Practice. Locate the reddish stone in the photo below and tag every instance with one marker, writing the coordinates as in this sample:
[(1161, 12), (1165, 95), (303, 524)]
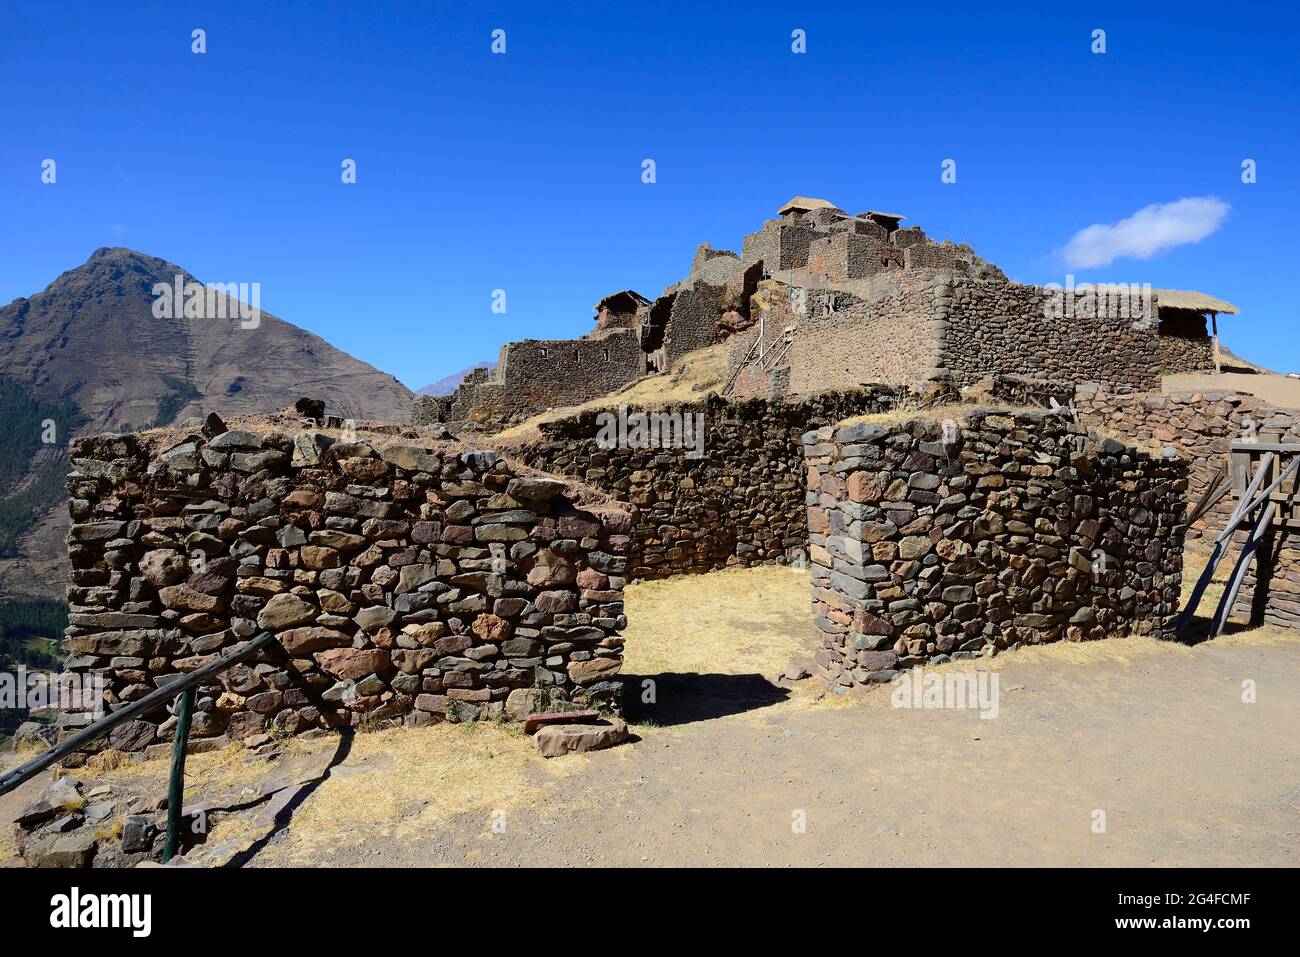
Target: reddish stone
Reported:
[(352, 663), (592, 579), (491, 628), (535, 721)]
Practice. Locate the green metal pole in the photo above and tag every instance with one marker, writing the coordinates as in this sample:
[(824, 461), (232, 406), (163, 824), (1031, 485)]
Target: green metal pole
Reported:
[(176, 783)]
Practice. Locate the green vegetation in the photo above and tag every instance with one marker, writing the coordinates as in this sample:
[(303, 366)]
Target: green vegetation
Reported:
[(27, 627), (28, 424), (29, 633), (21, 511), (181, 393)]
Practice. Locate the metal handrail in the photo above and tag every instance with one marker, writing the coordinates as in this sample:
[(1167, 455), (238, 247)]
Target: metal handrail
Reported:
[(184, 688)]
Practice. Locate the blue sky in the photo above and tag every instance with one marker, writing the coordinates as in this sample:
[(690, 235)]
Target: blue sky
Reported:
[(523, 171)]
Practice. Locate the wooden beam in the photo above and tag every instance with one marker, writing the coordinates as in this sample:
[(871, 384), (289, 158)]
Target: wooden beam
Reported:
[(1202, 583), (1254, 502)]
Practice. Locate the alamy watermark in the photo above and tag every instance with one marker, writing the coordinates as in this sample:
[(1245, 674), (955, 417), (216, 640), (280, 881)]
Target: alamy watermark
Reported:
[(652, 430), (218, 300), (967, 690), (1117, 300), (71, 691)]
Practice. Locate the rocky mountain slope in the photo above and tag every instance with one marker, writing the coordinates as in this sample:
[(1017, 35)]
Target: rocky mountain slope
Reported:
[(90, 348)]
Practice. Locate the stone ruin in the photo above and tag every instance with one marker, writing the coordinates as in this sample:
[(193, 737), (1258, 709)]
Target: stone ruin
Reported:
[(410, 583), (820, 299), (937, 539), (442, 581)]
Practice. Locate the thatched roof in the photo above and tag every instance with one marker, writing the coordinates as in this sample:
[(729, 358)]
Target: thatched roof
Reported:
[(1190, 299), (626, 300), (802, 204)]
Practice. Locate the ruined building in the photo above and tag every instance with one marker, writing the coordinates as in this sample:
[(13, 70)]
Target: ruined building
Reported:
[(820, 299)]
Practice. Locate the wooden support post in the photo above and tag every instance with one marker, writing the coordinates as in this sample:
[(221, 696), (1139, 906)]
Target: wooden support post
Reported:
[(1214, 323), (1238, 513), (176, 781)]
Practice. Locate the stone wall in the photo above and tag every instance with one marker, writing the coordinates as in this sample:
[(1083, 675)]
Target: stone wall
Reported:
[(1277, 564), (539, 374), (1200, 425), (693, 320), (741, 503), (403, 583), (884, 332), (1013, 527), (1185, 343), (991, 327)]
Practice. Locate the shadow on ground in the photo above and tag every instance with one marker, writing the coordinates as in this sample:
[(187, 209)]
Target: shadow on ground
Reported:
[(284, 814), (685, 698)]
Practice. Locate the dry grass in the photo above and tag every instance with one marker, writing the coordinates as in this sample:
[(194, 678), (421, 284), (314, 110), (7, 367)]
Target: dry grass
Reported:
[(110, 759), (740, 621), (204, 773), (737, 621), (695, 375), (912, 409), (413, 780), (1195, 558)]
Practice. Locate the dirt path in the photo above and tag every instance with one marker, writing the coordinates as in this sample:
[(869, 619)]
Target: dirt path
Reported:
[(730, 760), (1155, 736)]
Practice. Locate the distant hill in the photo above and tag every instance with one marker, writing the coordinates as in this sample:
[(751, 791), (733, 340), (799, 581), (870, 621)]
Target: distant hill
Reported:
[(447, 385), (88, 355)]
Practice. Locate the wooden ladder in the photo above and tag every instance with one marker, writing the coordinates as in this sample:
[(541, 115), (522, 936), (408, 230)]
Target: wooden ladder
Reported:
[(1260, 508)]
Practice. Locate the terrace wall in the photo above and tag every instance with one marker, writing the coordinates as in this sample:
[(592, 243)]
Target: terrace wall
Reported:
[(992, 327)]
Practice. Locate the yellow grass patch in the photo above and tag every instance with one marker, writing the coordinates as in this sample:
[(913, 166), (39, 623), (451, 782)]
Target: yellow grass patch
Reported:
[(419, 778), (737, 621), (209, 771), (911, 409)]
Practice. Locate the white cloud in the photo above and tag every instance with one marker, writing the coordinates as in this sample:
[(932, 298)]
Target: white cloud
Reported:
[(1148, 232)]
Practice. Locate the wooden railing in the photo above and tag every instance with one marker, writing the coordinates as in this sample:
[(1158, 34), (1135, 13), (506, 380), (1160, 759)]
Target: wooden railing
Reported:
[(184, 688)]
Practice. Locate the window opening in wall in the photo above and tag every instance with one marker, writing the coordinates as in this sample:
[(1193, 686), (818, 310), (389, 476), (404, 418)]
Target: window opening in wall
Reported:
[(606, 355), (542, 353), (575, 355)]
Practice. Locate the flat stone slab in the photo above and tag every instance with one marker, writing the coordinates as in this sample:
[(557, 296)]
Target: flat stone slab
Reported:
[(535, 721), (554, 740)]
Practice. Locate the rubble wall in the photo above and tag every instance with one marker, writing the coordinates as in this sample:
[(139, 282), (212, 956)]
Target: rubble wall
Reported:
[(991, 327), (403, 583), (1200, 425), (539, 374), (739, 503), (931, 541)]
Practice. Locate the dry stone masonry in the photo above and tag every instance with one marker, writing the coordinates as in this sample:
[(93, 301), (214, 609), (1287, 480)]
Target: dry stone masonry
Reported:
[(741, 503), (932, 540), (403, 582), (820, 299)]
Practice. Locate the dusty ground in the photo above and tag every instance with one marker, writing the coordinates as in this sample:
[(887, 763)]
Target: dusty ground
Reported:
[(1154, 735), (1269, 386)]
